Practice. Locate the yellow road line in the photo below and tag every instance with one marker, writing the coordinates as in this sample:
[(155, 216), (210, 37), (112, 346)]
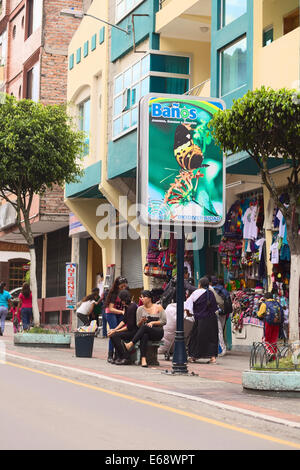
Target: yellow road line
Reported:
[(162, 407)]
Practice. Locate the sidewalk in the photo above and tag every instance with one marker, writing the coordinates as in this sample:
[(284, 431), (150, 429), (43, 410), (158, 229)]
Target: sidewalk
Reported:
[(220, 383)]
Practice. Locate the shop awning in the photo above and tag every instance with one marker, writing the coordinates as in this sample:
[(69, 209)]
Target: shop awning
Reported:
[(242, 164), (88, 186)]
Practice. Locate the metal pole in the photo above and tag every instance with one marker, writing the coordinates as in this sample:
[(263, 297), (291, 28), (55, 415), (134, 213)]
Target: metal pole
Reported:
[(179, 363), (106, 22)]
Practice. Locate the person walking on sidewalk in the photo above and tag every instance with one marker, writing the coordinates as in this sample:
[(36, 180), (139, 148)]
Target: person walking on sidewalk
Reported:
[(272, 313), (16, 315), (114, 310), (125, 330), (203, 341), (5, 303), (150, 320), (25, 305)]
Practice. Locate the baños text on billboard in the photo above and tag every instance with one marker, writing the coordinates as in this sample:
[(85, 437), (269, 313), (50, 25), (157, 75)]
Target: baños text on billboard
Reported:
[(181, 170)]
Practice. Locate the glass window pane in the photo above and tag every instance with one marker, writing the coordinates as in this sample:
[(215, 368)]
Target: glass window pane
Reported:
[(169, 64), (233, 9), (117, 127), (118, 105), (121, 9), (127, 78), (176, 86), (234, 67), (135, 95), (145, 65), (136, 72), (134, 116), (118, 84), (145, 86), (126, 121)]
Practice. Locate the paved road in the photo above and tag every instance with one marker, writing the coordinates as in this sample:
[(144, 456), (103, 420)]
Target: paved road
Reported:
[(44, 411)]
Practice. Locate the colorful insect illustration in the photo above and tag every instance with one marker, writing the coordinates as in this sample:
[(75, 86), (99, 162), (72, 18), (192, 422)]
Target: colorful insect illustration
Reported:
[(188, 155)]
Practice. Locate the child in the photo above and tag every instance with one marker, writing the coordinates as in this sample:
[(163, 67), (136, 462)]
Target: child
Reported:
[(16, 315)]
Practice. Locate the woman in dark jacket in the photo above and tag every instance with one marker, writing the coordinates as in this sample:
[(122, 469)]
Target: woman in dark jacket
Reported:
[(204, 336), (125, 330)]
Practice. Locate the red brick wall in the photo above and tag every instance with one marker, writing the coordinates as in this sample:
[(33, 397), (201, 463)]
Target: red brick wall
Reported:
[(57, 34), (52, 202)]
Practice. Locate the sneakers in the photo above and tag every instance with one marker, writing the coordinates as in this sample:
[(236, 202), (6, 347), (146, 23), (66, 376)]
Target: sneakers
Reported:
[(123, 362)]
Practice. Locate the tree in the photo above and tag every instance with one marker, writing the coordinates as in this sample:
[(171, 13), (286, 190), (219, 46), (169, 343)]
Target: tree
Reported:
[(39, 148), (266, 123)]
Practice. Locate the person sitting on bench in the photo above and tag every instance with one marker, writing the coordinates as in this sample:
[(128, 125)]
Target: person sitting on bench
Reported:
[(125, 330), (150, 320)]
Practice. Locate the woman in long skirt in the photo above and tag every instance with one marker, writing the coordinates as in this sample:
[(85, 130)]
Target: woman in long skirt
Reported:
[(203, 341)]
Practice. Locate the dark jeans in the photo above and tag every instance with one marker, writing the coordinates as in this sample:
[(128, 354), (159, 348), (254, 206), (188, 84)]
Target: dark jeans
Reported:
[(84, 318), (26, 314), (146, 333), (113, 320), (104, 323), (117, 342)]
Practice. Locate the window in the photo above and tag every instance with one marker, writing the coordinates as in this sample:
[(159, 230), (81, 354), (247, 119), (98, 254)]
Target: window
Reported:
[(233, 67), (34, 15), (33, 83), (84, 123), (123, 7), (153, 73), (16, 273), (231, 10), (268, 36), (291, 21)]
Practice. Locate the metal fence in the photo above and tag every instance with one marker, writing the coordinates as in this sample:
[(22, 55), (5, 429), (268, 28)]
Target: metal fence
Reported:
[(280, 356)]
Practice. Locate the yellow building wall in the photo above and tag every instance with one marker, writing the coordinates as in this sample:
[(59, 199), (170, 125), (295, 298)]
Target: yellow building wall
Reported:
[(89, 78), (273, 13), (200, 55), (172, 9), (278, 64)]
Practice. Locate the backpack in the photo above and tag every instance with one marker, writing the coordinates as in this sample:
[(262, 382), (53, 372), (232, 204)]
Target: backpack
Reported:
[(227, 309), (274, 313)]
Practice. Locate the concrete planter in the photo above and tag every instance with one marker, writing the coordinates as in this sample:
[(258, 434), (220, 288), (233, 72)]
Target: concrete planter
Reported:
[(42, 340), (278, 381)]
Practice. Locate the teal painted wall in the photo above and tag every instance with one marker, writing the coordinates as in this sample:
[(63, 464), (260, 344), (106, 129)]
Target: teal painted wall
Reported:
[(122, 155), (121, 43), (222, 37), (90, 179)]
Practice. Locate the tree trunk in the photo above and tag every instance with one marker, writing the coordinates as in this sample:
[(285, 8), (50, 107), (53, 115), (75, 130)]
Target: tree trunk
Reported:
[(33, 287), (294, 298), (294, 244)]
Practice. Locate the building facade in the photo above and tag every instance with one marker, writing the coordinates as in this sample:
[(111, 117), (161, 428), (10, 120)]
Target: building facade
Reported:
[(34, 41), (218, 48)]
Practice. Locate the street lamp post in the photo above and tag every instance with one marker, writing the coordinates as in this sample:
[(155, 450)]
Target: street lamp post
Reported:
[(80, 14)]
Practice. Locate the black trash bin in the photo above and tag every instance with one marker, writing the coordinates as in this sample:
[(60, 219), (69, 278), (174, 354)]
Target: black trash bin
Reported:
[(84, 343)]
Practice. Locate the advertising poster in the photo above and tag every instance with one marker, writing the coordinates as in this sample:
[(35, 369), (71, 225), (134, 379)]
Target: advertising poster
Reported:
[(71, 279), (181, 171)]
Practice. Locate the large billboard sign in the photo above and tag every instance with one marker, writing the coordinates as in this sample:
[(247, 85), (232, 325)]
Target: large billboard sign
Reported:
[(181, 170)]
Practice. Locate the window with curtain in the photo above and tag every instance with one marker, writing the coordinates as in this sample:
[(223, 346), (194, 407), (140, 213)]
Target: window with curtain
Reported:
[(84, 123), (231, 10), (233, 67), (153, 73)]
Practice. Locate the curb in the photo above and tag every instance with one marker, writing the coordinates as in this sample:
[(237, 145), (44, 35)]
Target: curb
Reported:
[(283, 381)]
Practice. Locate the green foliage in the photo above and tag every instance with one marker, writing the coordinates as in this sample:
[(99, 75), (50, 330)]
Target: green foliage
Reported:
[(38, 147), (264, 123), (38, 331)]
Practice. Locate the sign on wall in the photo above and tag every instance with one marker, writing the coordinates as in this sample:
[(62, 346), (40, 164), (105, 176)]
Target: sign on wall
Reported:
[(181, 170), (71, 285)]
